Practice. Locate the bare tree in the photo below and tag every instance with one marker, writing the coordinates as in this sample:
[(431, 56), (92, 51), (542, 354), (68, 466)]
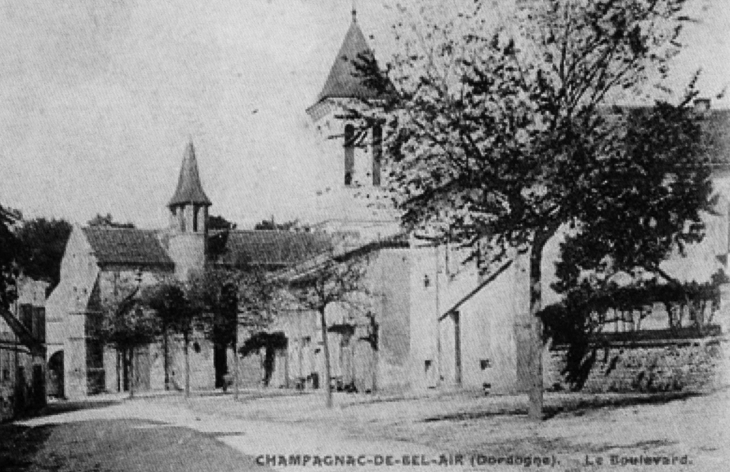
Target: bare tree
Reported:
[(337, 279), (126, 324)]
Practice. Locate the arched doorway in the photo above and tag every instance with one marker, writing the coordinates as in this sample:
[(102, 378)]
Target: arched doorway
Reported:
[(54, 385)]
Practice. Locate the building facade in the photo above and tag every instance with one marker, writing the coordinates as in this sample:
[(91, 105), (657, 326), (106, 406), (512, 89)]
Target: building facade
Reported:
[(22, 351)]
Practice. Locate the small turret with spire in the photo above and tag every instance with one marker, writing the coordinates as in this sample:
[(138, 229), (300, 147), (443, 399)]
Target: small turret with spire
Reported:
[(188, 218), (189, 205)]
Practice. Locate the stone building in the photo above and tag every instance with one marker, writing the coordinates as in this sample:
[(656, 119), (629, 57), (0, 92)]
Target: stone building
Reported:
[(439, 322), (104, 261), (22, 351), (430, 320)]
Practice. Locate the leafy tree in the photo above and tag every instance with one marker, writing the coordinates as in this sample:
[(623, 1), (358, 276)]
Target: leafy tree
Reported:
[(337, 280), (126, 324), (501, 134), (108, 221), (272, 225), (216, 222), (43, 243), (231, 299), (9, 247), (270, 343), (178, 314)]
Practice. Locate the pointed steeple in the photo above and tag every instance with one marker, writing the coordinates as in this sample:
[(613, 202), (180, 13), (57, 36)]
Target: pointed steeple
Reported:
[(344, 80), (189, 189)]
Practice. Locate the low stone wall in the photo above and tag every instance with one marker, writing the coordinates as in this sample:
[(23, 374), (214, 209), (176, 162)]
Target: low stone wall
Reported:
[(655, 366)]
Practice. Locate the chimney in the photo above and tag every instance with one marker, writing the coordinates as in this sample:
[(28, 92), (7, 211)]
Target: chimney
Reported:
[(702, 105)]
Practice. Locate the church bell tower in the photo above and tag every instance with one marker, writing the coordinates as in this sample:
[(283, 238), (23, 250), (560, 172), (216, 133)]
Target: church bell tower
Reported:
[(188, 219), (350, 200)]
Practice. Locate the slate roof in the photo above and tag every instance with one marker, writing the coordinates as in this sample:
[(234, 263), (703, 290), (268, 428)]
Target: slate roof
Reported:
[(127, 246), (269, 248), (189, 189), (344, 80)]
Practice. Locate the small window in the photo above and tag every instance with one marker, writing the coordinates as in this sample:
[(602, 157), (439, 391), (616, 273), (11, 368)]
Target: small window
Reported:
[(349, 154), (196, 347), (377, 153)]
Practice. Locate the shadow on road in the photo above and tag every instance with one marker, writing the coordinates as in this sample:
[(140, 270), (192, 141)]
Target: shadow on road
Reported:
[(569, 407), (59, 407), (19, 444)]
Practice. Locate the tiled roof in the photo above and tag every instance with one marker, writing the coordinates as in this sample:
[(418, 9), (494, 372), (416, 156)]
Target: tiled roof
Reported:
[(272, 248), (189, 189), (344, 80), (127, 246)]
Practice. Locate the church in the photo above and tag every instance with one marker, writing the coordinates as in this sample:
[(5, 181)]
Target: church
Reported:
[(431, 320)]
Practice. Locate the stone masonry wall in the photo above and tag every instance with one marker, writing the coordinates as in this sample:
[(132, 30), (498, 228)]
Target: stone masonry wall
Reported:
[(672, 365)]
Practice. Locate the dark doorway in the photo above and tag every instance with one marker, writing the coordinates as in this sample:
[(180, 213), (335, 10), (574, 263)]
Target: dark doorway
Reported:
[(54, 386), (220, 362), (39, 387), (457, 347)]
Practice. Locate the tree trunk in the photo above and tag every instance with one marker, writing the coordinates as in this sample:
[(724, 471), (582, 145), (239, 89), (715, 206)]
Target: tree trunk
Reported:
[(326, 353), (131, 372), (186, 343), (166, 360), (535, 389), (235, 364)]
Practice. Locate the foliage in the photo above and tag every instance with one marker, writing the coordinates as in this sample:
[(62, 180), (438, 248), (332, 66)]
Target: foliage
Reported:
[(219, 223), (230, 299), (588, 307), (125, 323), (263, 340), (272, 225), (108, 221), (270, 343), (505, 135), (43, 243), (170, 302), (9, 248)]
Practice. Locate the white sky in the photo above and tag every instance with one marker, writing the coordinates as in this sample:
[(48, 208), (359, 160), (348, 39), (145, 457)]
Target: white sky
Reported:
[(100, 97)]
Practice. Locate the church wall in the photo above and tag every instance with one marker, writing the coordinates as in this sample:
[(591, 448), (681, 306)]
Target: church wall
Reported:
[(187, 250), (424, 310), (487, 337), (391, 270)]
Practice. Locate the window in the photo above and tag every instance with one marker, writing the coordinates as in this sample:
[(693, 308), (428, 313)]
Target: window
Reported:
[(195, 218), (349, 154), (377, 153), (181, 216)]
